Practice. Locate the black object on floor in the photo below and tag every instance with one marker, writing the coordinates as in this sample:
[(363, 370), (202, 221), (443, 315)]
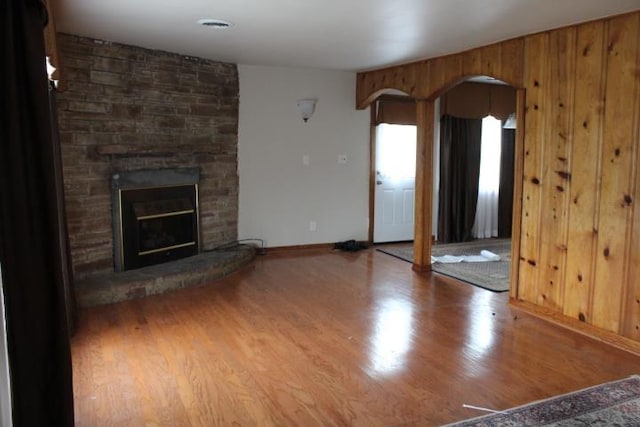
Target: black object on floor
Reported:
[(350, 246)]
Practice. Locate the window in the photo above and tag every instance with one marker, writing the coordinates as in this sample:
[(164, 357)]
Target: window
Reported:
[(486, 222)]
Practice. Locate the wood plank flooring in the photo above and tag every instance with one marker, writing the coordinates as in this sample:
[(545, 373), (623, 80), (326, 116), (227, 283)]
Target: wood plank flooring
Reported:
[(324, 338)]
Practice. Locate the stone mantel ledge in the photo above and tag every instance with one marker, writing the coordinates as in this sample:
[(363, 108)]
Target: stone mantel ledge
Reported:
[(127, 150)]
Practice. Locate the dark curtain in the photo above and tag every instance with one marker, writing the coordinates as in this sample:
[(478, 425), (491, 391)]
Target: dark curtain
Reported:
[(30, 247), (63, 240), (459, 175), (505, 196)]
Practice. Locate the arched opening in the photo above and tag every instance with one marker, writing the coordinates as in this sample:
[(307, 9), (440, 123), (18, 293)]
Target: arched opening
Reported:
[(473, 182), (486, 99)]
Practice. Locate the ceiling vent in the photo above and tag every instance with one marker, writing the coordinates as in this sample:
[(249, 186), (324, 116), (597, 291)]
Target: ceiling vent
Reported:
[(214, 23)]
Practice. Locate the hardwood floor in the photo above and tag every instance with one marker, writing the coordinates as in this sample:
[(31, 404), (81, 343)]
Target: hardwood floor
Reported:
[(324, 338)]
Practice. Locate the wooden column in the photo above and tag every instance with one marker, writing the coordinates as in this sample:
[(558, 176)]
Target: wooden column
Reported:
[(424, 186)]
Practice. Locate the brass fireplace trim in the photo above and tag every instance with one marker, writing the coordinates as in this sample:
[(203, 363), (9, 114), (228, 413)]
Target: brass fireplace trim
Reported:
[(166, 248), (165, 215), (133, 188)]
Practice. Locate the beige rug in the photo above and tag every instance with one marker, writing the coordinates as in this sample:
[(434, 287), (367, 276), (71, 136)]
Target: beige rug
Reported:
[(492, 275)]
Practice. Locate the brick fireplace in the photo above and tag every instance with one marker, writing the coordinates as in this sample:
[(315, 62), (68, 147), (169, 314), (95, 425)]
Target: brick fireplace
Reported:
[(129, 109)]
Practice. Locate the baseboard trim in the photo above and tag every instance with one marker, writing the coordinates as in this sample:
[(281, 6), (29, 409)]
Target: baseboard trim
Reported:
[(575, 325), (279, 249)]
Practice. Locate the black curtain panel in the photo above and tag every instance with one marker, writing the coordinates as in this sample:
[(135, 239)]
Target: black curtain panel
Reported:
[(460, 143), (63, 239), (30, 247), (505, 195)]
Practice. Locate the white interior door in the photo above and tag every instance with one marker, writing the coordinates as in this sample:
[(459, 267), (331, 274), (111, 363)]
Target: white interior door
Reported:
[(395, 183)]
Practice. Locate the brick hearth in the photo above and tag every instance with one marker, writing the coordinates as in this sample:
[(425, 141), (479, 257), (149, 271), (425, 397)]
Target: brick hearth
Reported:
[(110, 287)]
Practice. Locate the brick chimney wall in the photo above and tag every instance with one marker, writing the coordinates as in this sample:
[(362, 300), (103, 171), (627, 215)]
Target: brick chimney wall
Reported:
[(128, 108)]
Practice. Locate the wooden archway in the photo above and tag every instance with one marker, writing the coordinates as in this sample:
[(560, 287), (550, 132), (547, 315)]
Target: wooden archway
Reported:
[(425, 81)]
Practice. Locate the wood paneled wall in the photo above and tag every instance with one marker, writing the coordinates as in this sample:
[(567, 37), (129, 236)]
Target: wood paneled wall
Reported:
[(430, 78), (579, 253)]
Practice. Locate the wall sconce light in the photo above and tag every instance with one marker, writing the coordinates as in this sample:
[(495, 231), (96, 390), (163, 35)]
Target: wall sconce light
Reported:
[(510, 123), (306, 107)]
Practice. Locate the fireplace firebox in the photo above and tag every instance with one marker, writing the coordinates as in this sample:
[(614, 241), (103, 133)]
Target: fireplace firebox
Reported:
[(155, 216)]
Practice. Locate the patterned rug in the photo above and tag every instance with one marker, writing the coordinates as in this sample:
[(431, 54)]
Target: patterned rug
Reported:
[(493, 275), (612, 404)]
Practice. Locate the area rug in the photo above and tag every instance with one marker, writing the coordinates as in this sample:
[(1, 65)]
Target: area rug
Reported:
[(493, 275), (612, 404)]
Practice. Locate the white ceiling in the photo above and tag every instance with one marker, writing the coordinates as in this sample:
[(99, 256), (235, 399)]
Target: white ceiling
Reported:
[(354, 35)]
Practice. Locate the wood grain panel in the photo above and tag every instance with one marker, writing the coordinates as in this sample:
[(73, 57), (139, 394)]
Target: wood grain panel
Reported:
[(536, 50), (445, 73), (556, 175), (512, 62), (492, 60), (617, 160), (631, 325), (585, 170), (472, 62), (422, 74), (374, 83)]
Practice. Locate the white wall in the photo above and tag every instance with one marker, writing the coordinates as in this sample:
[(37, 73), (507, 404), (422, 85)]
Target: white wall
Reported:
[(279, 195)]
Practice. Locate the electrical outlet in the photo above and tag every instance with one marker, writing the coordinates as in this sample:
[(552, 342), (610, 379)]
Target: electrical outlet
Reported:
[(313, 226), (306, 160)]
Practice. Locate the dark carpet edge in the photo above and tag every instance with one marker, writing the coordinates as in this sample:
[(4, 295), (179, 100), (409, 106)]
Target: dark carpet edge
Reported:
[(444, 274), (394, 255)]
